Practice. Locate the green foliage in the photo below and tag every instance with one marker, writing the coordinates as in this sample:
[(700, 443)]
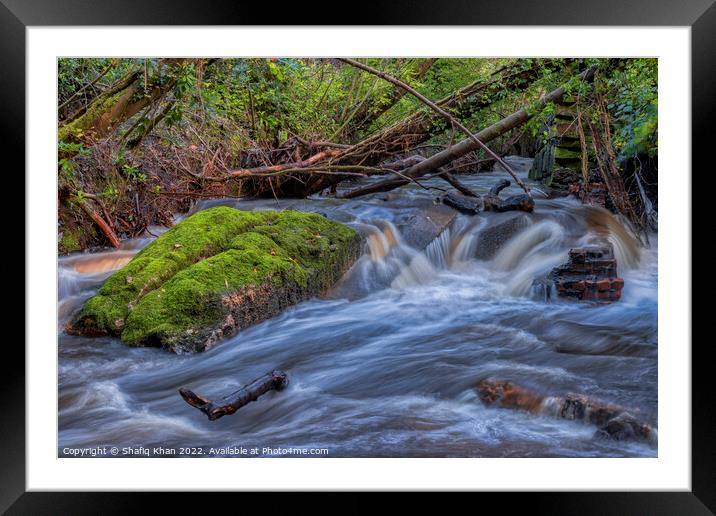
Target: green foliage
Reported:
[(69, 241), (247, 103), (633, 93), (67, 167), (185, 79), (67, 151), (132, 172), (72, 148), (110, 192), (74, 73), (120, 158)]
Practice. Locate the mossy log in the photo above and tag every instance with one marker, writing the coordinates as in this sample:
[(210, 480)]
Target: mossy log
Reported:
[(130, 95), (216, 272)]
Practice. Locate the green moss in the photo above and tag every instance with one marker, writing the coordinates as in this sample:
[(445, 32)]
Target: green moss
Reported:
[(561, 153), (219, 265), (191, 300), (70, 242), (74, 130), (311, 239), (202, 235)]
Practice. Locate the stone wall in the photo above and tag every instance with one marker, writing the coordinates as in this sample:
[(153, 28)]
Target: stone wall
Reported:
[(559, 161)]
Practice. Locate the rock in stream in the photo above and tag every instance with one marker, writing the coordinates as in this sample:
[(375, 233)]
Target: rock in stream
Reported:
[(217, 272)]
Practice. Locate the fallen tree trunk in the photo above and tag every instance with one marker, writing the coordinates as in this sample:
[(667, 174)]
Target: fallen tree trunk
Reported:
[(275, 380), (613, 421), (465, 146), (463, 203), (285, 166), (121, 102), (453, 122), (150, 125), (421, 126), (90, 84)]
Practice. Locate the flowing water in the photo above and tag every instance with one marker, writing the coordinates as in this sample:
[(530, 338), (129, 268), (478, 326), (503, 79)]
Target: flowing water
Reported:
[(385, 365)]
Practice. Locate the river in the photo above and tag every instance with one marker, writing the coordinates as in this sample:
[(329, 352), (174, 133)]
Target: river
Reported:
[(386, 364)]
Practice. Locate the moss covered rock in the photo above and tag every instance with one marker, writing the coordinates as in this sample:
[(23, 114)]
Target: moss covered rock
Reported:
[(216, 272)]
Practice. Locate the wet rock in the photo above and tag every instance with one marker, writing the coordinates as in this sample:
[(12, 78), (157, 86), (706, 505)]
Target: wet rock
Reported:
[(500, 230), (543, 163), (508, 395), (613, 421), (626, 427), (216, 272), (562, 177), (589, 275), (559, 160), (420, 228)]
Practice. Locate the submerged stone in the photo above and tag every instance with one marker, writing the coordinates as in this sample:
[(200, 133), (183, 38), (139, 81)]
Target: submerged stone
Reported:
[(217, 272), (612, 421)]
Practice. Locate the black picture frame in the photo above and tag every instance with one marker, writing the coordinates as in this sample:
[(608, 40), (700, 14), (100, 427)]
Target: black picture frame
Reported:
[(16, 15)]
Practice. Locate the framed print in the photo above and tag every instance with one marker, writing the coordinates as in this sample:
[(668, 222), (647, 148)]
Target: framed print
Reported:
[(424, 252)]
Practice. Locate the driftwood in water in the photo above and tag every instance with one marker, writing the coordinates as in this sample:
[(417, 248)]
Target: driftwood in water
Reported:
[(445, 174), (493, 202), (275, 380), (463, 203), (613, 421), (472, 205)]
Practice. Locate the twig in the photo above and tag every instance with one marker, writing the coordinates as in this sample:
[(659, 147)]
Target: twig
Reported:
[(277, 168)]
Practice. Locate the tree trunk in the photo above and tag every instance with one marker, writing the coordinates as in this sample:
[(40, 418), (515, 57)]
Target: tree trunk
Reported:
[(419, 127), (151, 124), (118, 104), (465, 146), (453, 122), (463, 103)]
